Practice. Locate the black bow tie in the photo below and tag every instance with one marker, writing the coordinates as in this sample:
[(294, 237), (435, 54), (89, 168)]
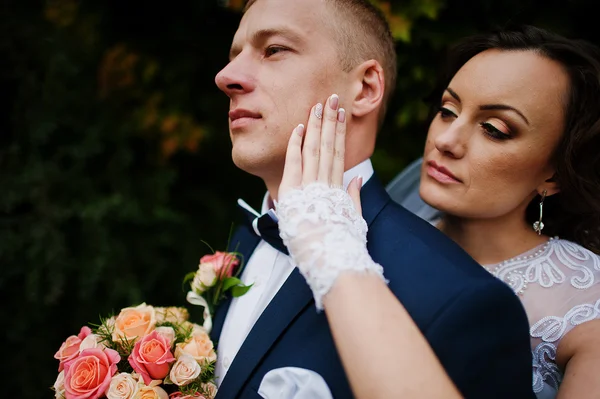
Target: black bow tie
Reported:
[(264, 226)]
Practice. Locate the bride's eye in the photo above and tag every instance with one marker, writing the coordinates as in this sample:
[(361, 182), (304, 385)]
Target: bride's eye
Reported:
[(493, 132), (446, 113)]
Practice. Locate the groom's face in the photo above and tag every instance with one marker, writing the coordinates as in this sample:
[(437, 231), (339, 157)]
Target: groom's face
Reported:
[(283, 60)]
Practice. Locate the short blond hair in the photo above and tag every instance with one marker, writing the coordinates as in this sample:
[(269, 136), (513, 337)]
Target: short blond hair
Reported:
[(363, 33)]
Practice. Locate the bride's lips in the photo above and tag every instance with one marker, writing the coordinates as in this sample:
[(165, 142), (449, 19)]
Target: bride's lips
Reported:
[(441, 174), (240, 117)]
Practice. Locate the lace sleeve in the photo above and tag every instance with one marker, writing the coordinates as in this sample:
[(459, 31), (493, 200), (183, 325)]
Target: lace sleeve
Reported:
[(325, 236)]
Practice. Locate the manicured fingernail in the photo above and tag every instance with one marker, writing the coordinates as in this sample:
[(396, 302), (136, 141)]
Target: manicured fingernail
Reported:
[(341, 115), (359, 182), (334, 101), (300, 130), (319, 110)]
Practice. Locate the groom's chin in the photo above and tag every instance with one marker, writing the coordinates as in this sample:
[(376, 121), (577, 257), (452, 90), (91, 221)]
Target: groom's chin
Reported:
[(261, 163)]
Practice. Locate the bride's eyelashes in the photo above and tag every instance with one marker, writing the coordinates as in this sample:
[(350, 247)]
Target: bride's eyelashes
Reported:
[(493, 132), (445, 112), (488, 128)]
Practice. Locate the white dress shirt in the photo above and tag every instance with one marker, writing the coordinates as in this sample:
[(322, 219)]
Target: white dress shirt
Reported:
[(267, 269)]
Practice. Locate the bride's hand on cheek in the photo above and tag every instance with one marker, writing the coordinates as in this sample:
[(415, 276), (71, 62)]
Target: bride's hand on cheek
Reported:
[(315, 152)]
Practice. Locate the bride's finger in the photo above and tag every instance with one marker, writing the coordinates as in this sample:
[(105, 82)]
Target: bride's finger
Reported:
[(312, 145), (337, 169), (328, 138), (292, 169)]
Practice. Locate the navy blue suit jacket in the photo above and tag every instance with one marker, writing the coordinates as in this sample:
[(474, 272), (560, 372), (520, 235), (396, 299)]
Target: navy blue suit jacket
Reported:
[(474, 322)]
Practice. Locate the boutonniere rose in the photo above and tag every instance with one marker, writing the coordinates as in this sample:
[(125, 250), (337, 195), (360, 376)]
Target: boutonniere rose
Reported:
[(216, 276)]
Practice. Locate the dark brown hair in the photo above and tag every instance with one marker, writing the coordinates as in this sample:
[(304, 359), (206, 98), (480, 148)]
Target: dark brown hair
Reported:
[(573, 213)]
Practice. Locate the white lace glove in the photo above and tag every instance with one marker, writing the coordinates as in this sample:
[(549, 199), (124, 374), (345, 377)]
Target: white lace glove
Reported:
[(325, 235), (320, 223)]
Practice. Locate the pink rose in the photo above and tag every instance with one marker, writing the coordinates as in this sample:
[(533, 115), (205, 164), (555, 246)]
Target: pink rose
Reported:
[(223, 263), (70, 348), (151, 357), (88, 375)]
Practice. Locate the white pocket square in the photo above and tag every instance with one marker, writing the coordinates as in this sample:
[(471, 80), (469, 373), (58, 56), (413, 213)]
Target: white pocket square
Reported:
[(293, 383)]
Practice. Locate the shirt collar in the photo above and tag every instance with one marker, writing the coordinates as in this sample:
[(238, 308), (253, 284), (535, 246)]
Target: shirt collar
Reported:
[(364, 169)]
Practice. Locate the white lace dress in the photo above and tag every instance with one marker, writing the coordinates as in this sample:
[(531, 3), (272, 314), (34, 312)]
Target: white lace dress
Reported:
[(558, 282), (559, 285)]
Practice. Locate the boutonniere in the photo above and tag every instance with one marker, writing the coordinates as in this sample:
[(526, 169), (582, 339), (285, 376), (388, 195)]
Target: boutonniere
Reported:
[(217, 275)]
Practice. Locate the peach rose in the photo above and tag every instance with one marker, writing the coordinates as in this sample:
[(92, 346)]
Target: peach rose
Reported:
[(223, 263), (199, 346), (70, 348), (185, 370), (151, 357), (59, 386), (172, 314), (152, 391), (167, 332), (88, 375), (210, 390), (134, 322), (123, 386), (195, 328)]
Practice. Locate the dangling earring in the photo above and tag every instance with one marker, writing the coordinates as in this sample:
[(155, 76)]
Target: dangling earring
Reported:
[(539, 225)]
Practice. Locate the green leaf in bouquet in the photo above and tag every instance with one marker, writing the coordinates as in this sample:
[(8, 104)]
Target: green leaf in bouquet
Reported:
[(187, 278), (240, 290), (230, 282)]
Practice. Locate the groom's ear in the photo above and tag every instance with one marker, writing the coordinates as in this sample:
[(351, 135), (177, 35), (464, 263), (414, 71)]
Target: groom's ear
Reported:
[(368, 88)]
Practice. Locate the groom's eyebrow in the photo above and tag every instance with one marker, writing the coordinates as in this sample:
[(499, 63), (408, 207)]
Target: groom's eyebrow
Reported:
[(263, 35)]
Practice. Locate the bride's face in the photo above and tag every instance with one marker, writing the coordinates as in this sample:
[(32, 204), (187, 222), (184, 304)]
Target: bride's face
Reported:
[(489, 148)]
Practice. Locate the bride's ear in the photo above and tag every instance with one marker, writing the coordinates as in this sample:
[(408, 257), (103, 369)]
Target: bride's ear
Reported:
[(368, 88), (550, 186)]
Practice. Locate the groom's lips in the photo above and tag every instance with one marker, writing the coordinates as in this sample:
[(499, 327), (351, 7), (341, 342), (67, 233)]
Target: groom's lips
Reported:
[(240, 117)]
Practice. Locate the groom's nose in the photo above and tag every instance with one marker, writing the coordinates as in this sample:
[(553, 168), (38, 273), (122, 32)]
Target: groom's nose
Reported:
[(236, 78)]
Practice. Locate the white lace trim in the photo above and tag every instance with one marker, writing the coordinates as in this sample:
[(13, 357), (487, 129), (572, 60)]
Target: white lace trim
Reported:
[(545, 266), (569, 270), (552, 328), (325, 236)]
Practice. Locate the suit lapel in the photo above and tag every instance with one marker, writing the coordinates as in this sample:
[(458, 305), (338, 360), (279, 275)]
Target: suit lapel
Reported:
[(244, 241), (293, 297)]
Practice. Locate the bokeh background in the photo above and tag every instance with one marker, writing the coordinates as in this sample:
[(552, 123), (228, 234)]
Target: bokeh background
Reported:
[(115, 156)]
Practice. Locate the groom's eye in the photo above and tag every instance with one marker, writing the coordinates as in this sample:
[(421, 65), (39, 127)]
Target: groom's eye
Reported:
[(272, 50)]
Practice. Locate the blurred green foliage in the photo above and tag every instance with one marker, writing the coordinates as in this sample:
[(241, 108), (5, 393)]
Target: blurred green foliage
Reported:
[(115, 155)]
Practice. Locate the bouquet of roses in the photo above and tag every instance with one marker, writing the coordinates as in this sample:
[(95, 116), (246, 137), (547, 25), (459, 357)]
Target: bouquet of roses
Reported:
[(144, 352)]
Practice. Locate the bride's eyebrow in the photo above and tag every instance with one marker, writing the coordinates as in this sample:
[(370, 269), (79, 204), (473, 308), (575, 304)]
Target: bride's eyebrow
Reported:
[(504, 107), (453, 93), (486, 107)]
